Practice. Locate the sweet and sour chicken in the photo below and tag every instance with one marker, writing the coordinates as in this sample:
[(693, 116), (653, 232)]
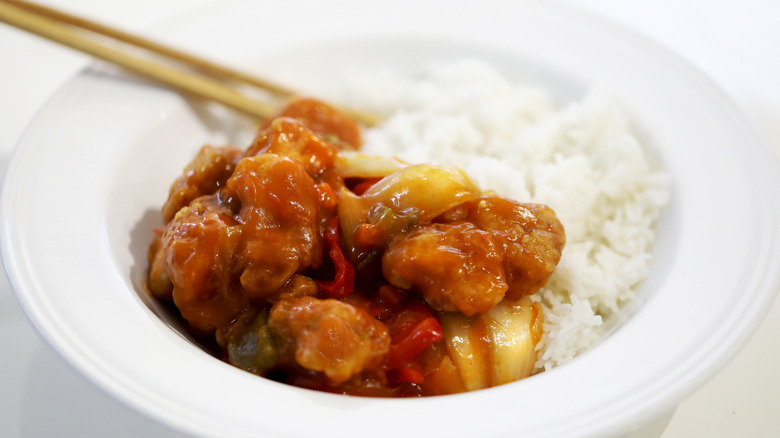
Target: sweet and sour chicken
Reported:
[(312, 264)]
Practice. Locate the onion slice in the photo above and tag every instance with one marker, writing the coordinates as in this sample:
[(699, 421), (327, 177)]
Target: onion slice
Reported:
[(349, 164), (423, 191), (495, 348)]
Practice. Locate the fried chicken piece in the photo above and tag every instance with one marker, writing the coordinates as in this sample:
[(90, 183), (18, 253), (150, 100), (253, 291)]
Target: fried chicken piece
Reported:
[(324, 119), (281, 227), (204, 175), (531, 235), (329, 336), (198, 247), (454, 266)]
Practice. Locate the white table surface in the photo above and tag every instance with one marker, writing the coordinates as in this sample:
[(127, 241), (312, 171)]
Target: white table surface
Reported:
[(735, 42)]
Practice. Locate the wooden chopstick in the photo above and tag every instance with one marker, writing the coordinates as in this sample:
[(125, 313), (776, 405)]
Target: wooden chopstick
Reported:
[(58, 26), (200, 64)]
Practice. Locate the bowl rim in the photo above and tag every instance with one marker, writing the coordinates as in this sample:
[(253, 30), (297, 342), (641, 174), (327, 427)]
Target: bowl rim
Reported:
[(654, 393)]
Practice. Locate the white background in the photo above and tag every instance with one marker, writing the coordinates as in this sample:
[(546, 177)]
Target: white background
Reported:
[(735, 42)]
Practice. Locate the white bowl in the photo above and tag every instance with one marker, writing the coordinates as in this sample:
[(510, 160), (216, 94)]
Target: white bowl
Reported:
[(84, 188)]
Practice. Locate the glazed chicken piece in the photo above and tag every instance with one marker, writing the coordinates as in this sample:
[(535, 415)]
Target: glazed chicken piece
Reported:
[(323, 119), (454, 266), (485, 250), (291, 138), (329, 336), (204, 175), (531, 235), (281, 227), (198, 247), (258, 232)]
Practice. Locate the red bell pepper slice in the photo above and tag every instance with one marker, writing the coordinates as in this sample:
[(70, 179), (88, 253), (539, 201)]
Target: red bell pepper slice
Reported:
[(344, 281), (409, 373), (412, 330), (364, 185)]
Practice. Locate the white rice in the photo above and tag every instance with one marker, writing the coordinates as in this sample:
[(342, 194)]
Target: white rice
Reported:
[(582, 160)]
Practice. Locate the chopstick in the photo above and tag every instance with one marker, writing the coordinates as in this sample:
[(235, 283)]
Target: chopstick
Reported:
[(200, 64), (59, 26)]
